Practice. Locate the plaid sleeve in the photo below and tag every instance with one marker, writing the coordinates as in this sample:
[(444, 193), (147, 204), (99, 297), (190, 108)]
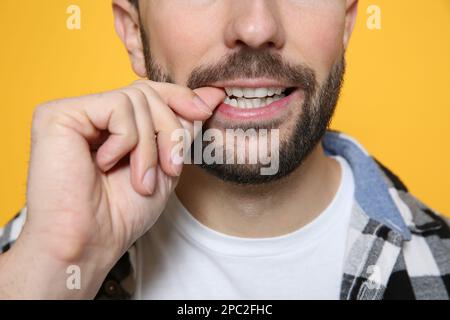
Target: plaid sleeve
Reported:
[(10, 232)]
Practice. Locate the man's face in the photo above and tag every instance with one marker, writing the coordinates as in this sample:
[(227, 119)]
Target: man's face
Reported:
[(281, 63)]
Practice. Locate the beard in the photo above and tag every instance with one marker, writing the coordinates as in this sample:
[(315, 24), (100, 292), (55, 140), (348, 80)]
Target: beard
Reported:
[(311, 123)]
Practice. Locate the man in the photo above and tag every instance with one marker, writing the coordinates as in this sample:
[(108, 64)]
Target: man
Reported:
[(109, 197)]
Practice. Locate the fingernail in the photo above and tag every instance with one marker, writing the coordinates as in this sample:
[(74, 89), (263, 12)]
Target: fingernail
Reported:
[(149, 180), (202, 106)]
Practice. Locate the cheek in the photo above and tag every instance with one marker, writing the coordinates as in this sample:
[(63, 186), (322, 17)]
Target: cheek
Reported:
[(178, 43), (320, 39)]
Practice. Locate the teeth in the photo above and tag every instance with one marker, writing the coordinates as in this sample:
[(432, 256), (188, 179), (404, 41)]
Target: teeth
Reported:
[(237, 92), (253, 92), (261, 92), (243, 103), (250, 98), (249, 93), (256, 103)]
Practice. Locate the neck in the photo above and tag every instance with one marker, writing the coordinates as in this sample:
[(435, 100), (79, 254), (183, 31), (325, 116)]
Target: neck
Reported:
[(261, 211)]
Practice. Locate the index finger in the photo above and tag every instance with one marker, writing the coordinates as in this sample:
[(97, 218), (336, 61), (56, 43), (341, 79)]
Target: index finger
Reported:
[(190, 104)]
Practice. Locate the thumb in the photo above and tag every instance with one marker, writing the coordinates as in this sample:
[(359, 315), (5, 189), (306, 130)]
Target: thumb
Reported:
[(213, 97)]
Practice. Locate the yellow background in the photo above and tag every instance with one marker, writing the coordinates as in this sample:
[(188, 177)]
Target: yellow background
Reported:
[(395, 101)]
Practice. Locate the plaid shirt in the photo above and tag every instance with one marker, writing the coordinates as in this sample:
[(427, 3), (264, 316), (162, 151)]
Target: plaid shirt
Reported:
[(397, 248)]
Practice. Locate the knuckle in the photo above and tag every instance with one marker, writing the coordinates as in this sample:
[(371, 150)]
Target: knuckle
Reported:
[(43, 111), (145, 89), (130, 133), (40, 113), (47, 114), (142, 81), (139, 95), (122, 99), (124, 103), (149, 84), (133, 137)]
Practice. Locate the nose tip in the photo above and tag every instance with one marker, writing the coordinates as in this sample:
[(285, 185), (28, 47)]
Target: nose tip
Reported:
[(257, 35), (256, 25)]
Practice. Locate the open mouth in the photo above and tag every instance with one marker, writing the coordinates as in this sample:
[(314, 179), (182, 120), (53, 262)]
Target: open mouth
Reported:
[(254, 98)]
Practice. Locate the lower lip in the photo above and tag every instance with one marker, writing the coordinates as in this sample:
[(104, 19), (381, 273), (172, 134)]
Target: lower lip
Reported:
[(257, 114)]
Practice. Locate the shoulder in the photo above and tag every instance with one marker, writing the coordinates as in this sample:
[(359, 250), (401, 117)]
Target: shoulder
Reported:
[(421, 219), (422, 270)]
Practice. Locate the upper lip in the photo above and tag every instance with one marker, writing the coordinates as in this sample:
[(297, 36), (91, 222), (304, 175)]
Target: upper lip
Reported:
[(252, 83)]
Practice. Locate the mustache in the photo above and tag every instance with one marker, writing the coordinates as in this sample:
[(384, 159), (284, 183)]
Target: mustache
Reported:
[(250, 63)]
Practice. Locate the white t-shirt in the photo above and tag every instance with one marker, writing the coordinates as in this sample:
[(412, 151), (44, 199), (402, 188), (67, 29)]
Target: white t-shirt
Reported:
[(180, 258)]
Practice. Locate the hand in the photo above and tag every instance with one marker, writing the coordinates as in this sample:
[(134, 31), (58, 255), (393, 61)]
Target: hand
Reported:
[(101, 172)]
